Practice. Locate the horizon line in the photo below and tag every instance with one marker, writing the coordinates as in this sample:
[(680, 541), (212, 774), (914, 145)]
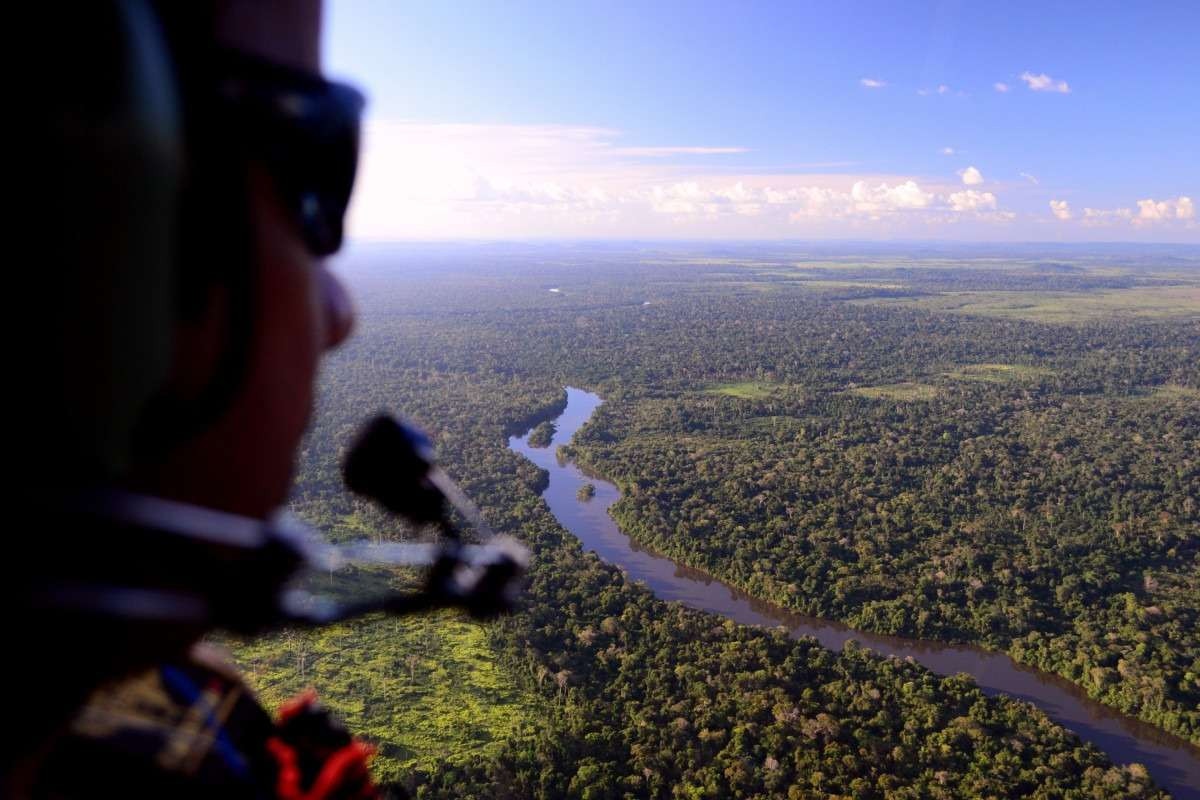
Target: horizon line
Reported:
[(351, 241)]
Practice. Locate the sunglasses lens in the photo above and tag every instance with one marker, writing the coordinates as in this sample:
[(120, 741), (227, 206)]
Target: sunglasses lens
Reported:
[(306, 129), (319, 168)]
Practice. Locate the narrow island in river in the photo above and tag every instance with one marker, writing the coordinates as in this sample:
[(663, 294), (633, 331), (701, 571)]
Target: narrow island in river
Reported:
[(542, 434)]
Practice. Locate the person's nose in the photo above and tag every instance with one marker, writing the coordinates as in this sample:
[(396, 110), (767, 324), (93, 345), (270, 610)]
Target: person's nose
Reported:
[(339, 309)]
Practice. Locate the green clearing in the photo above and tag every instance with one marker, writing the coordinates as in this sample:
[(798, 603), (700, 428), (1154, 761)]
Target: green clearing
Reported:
[(904, 392), (998, 373), (828, 284), (747, 390), (1168, 302), (424, 690)]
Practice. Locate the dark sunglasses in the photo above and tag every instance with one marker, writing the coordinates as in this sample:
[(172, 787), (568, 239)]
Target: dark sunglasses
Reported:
[(306, 131)]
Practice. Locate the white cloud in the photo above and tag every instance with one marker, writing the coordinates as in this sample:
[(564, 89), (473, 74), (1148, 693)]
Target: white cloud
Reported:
[(1178, 212), (864, 200), (971, 176), (659, 152), (1100, 217), (972, 200), (1031, 178), (872, 83), (885, 198), (809, 201), (690, 198), (423, 180), (1151, 210), (948, 151), (1000, 86), (882, 200), (1180, 208), (1044, 83), (943, 89), (1061, 209)]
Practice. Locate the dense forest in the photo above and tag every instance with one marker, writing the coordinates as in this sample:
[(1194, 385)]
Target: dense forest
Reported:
[(816, 430)]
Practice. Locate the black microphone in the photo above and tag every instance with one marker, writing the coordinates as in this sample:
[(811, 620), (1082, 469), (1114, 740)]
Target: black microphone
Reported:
[(391, 463), (160, 566)]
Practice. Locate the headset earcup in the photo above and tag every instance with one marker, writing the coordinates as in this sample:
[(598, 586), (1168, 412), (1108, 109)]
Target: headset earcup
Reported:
[(110, 130), (214, 247)]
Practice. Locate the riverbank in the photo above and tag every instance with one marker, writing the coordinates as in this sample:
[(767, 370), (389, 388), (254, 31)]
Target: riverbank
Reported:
[(1173, 762)]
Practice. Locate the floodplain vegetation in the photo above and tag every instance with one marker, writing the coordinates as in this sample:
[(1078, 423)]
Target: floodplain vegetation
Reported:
[(848, 448)]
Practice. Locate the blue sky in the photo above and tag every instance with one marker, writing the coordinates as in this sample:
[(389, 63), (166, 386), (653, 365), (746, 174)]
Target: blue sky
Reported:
[(976, 121)]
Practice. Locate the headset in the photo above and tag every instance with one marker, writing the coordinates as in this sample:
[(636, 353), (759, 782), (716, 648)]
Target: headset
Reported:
[(159, 563)]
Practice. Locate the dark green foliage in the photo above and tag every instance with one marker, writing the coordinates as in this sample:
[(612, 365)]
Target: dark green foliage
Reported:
[(542, 434), (983, 511), (1062, 528)]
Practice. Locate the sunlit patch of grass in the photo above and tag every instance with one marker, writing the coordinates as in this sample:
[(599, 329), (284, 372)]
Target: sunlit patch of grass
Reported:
[(904, 392), (423, 690), (1165, 302), (753, 285), (999, 373), (818, 280), (828, 284), (776, 425), (882, 263), (747, 390)]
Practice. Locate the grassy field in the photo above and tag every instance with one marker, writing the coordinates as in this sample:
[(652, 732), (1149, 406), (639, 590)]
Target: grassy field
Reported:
[(998, 373), (422, 689), (812, 280), (828, 284), (904, 392), (747, 390), (1170, 302)]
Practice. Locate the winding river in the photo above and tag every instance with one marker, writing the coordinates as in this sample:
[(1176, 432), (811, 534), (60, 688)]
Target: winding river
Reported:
[(1173, 762)]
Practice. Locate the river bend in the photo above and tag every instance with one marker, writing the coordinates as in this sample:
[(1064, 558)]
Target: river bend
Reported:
[(1173, 762)]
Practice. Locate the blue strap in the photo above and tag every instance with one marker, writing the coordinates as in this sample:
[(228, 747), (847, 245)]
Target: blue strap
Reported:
[(179, 683)]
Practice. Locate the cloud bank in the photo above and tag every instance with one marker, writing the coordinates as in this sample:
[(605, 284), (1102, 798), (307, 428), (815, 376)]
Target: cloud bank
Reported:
[(435, 181), (1178, 213), (452, 180)]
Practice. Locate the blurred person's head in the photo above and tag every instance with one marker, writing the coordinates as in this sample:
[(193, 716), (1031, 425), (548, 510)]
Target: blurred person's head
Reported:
[(273, 297), (194, 302), (189, 172)]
